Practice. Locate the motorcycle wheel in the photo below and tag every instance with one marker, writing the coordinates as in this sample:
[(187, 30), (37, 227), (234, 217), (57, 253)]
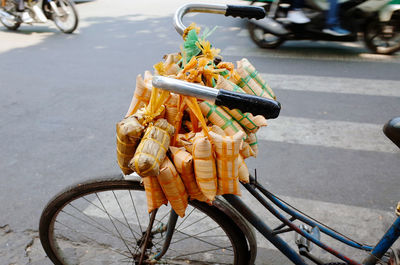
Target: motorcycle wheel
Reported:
[(68, 19), (383, 38), (10, 24), (264, 39)]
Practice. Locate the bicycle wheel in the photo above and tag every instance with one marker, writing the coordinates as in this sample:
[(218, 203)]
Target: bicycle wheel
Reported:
[(103, 221)]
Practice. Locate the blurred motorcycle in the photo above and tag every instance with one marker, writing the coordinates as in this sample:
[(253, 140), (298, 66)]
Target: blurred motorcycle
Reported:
[(62, 12), (377, 21)]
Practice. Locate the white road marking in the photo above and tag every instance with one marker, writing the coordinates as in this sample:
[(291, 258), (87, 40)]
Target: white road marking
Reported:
[(315, 55), (337, 134), (388, 88)]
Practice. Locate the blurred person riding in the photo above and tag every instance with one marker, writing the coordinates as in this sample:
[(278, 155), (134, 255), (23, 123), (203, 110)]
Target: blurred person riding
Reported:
[(376, 21), (24, 15), (332, 22)]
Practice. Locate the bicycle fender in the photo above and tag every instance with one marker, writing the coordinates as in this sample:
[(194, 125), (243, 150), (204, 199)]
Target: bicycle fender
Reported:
[(239, 220), (385, 14)]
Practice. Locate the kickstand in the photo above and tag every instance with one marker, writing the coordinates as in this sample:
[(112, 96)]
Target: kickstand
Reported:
[(146, 238)]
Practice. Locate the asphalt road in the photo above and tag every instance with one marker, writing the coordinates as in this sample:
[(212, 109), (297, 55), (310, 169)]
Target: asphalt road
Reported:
[(61, 96)]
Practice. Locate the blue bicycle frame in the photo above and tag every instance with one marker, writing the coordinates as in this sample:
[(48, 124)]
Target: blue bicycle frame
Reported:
[(375, 253)]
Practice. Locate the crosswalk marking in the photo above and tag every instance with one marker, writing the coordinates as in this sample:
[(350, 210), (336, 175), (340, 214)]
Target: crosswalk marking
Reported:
[(315, 55), (388, 88), (337, 134)]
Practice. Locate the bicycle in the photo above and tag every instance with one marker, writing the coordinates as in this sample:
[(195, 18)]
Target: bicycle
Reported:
[(113, 209)]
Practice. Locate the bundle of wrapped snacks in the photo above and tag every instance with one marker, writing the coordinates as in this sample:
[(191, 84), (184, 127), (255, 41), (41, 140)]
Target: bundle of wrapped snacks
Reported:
[(246, 120), (152, 149), (129, 133), (173, 187), (190, 149), (204, 166), (227, 156), (154, 193), (142, 93), (183, 162), (253, 73)]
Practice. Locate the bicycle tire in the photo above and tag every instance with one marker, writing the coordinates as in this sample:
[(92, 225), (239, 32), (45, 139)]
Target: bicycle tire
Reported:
[(78, 251)]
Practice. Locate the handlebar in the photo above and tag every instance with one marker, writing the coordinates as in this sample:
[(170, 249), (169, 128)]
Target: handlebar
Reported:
[(227, 10), (246, 103)]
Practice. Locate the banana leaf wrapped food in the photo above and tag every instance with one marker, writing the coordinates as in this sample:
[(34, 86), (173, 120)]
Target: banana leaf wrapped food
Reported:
[(246, 120), (227, 157), (142, 93), (154, 193), (183, 162), (254, 74), (129, 133), (173, 187), (152, 149), (204, 167)]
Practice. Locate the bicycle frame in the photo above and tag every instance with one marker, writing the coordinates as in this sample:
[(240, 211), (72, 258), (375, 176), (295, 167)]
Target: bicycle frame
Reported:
[(272, 235), (375, 254)]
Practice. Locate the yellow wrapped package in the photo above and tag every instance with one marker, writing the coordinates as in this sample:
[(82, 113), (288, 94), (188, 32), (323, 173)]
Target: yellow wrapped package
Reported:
[(252, 141), (217, 116), (183, 162), (173, 187), (227, 152), (170, 64), (248, 84), (251, 70), (129, 133), (142, 93), (204, 167), (154, 194), (243, 170), (246, 150), (246, 120), (152, 149), (171, 108)]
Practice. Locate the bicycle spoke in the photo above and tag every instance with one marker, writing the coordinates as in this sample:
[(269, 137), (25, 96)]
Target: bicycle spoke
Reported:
[(137, 216), (115, 218), (197, 238), (92, 240), (203, 251), (126, 245), (186, 217), (123, 213)]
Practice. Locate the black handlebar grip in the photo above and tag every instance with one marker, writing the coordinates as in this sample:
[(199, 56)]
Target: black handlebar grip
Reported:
[(249, 103), (245, 11)]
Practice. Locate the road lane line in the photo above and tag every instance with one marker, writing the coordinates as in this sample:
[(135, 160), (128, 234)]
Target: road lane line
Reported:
[(296, 54), (337, 134), (387, 88)]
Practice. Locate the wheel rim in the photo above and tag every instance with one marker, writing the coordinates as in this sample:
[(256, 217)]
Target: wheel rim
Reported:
[(105, 227), (67, 19), (384, 38), (8, 23)]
